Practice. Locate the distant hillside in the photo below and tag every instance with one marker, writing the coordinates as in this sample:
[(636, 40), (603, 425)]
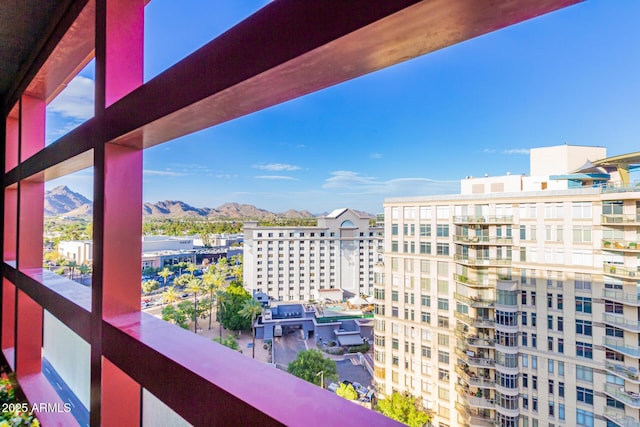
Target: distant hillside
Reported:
[(176, 208), (62, 201)]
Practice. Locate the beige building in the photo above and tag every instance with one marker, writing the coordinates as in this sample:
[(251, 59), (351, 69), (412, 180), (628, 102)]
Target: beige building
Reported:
[(333, 260), (516, 302)]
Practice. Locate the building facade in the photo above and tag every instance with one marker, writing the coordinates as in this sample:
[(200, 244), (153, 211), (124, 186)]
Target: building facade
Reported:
[(302, 263), (516, 302)]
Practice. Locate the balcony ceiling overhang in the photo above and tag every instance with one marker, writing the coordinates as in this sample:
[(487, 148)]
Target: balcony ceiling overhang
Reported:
[(254, 65)]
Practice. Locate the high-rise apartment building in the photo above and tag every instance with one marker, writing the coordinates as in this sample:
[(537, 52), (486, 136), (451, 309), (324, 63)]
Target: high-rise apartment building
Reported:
[(332, 260), (516, 303)]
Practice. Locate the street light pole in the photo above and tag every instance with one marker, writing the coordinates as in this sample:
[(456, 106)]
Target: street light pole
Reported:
[(321, 375)]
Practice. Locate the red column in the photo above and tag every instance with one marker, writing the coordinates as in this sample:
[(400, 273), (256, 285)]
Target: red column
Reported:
[(28, 336), (10, 224), (32, 126), (11, 149), (30, 228), (118, 194), (128, 397), (8, 321)]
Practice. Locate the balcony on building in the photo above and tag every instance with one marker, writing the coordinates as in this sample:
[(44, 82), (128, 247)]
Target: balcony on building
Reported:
[(622, 219), (482, 240), (619, 345), (619, 321), (620, 245), (632, 299), (630, 398), (471, 281), (472, 417), (475, 359), (620, 271), (480, 398), (483, 219), (620, 419), (628, 373), (473, 378), (481, 261)]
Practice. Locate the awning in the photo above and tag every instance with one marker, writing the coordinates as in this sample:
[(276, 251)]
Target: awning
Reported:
[(349, 339)]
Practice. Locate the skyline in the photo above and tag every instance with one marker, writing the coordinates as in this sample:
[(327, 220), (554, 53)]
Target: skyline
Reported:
[(566, 77)]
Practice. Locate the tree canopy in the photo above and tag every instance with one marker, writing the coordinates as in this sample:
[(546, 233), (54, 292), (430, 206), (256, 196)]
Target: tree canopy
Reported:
[(309, 363), (404, 408), (234, 297), (347, 391)]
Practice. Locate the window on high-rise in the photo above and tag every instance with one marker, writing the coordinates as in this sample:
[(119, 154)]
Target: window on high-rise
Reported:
[(584, 418), (584, 349), (584, 327), (581, 210), (583, 305)]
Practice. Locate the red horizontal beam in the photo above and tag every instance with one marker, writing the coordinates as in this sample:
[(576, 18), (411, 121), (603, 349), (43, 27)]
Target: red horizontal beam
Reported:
[(230, 387)]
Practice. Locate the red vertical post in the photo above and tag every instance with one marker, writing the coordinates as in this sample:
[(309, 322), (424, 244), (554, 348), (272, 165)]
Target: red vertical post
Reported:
[(11, 149), (10, 224), (28, 336), (30, 228), (128, 397), (118, 192), (32, 128), (8, 321)]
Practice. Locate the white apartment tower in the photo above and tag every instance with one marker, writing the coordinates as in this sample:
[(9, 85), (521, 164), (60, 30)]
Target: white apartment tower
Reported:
[(516, 303), (332, 260)]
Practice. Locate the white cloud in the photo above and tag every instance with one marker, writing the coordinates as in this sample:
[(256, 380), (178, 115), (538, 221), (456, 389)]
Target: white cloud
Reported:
[(281, 177), (351, 182), (151, 172), (76, 100), (277, 167), (375, 155), (524, 151)]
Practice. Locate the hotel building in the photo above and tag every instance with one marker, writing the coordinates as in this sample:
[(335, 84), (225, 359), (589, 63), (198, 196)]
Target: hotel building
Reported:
[(515, 303), (332, 260)]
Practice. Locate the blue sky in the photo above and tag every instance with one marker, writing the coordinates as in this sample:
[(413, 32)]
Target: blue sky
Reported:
[(412, 129)]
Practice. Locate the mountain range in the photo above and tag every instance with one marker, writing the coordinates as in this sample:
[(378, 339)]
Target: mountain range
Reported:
[(63, 201)]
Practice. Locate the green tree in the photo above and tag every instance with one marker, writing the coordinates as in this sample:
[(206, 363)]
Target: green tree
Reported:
[(212, 282), (191, 268), (59, 271), (150, 286), (182, 280), (309, 363), (165, 273), (170, 295), (72, 266), (195, 285), (83, 269), (177, 314), (347, 391), (250, 309), (228, 341), (235, 296), (404, 408)]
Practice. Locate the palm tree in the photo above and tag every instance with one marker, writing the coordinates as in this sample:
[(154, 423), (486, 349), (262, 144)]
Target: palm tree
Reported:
[(72, 265), (250, 309), (222, 265), (165, 273), (212, 282), (195, 285), (221, 298), (83, 269), (236, 271), (191, 268), (170, 296)]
